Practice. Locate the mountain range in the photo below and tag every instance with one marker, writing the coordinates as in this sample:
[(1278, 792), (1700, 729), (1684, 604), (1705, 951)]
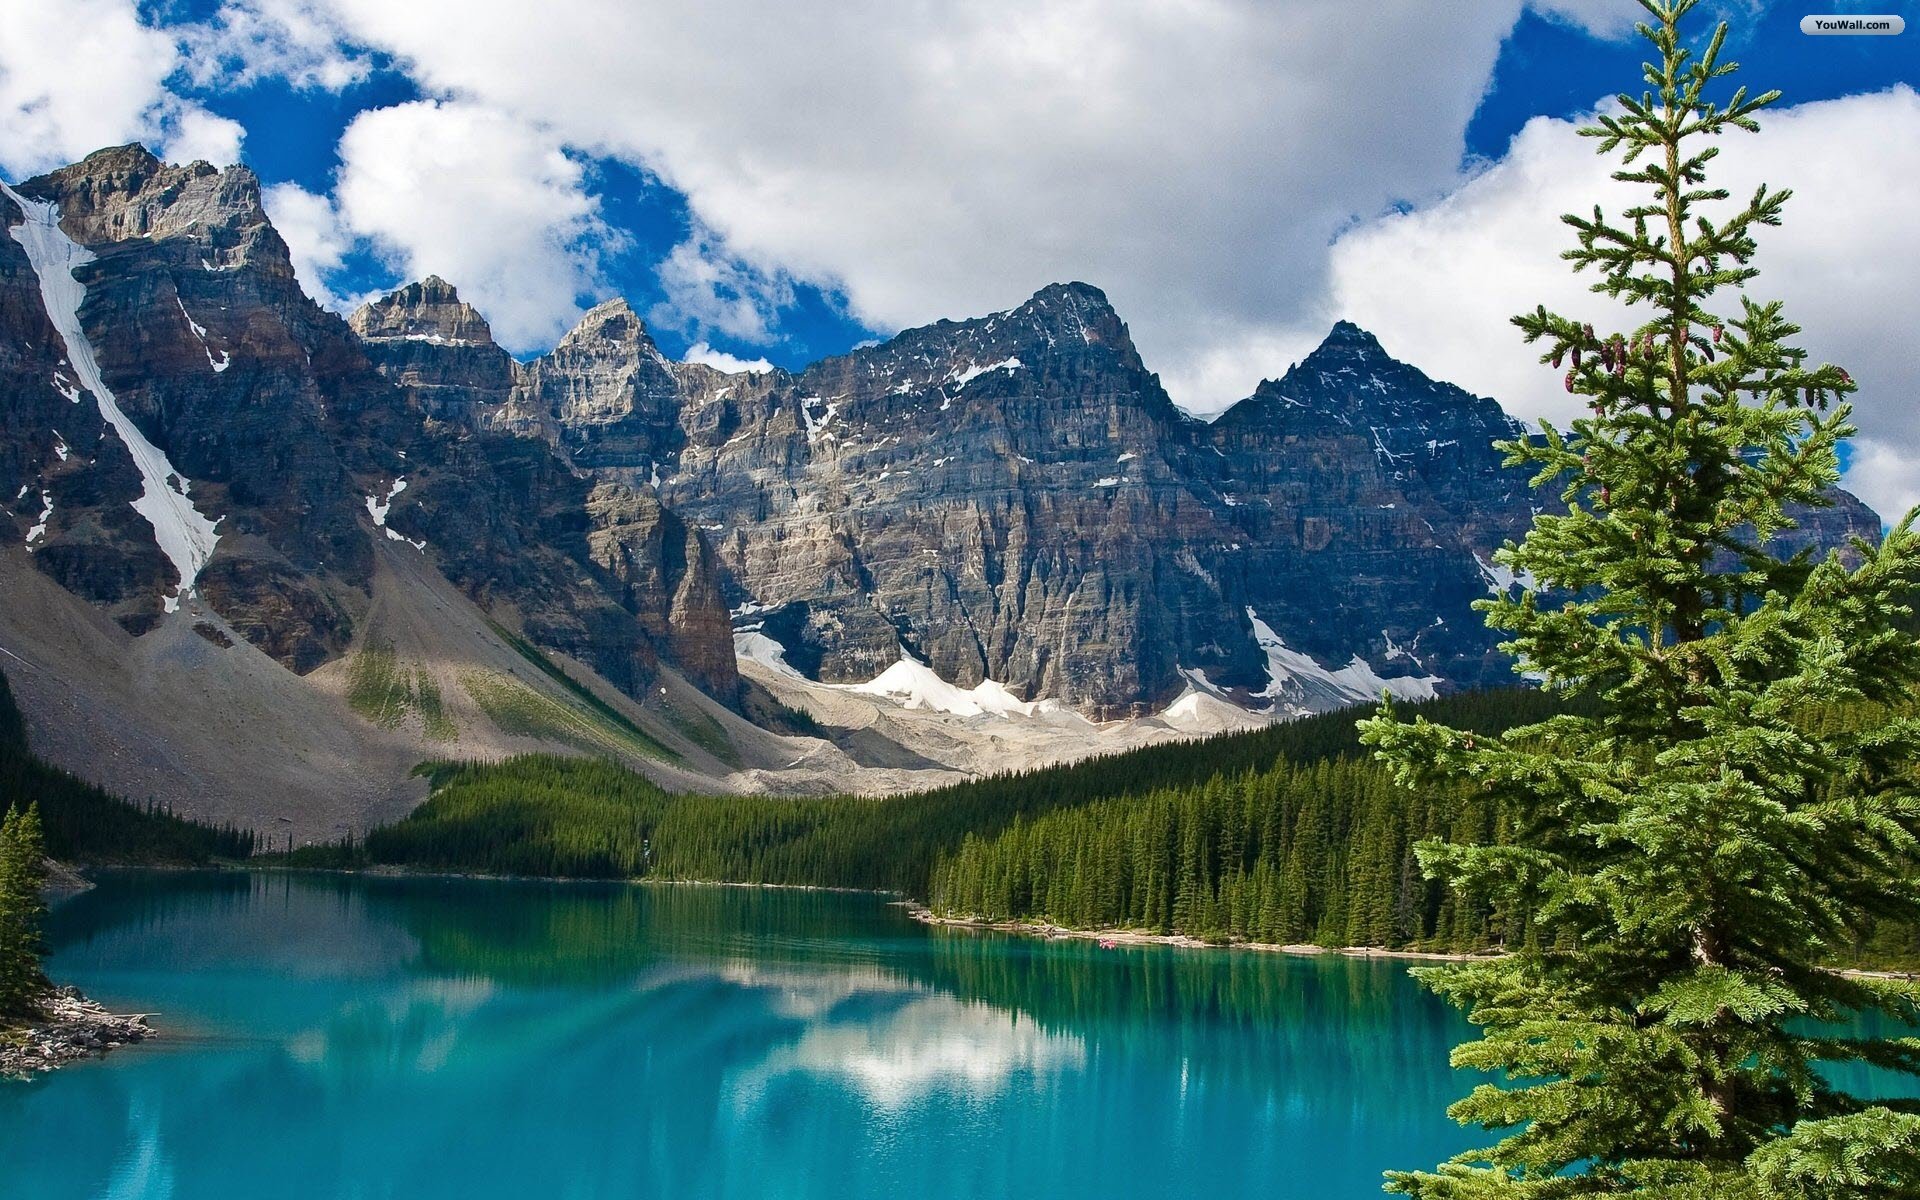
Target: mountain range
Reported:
[(260, 560)]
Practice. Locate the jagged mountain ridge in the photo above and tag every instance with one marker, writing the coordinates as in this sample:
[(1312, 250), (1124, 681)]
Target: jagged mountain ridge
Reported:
[(273, 408), (1015, 499), (1011, 498)]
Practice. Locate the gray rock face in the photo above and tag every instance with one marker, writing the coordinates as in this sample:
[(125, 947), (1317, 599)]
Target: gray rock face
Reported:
[(1368, 499), (66, 483), (605, 396), (1015, 498), (606, 575), (1012, 497), (294, 435), (1000, 497), (246, 387), (426, 339)]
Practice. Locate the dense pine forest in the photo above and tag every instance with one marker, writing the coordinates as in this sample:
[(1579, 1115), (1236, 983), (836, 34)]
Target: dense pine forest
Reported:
[(1300, 853), (87, 824), (1288, 834), (1303, 852), (1283, 830)]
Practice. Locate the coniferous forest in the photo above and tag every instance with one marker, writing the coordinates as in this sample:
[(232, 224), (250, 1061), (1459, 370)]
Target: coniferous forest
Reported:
[(1288, 834), (571, 817)]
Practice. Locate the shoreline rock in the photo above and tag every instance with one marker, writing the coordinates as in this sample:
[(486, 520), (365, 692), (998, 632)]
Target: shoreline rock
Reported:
[(72, 1028), (1134, 937)]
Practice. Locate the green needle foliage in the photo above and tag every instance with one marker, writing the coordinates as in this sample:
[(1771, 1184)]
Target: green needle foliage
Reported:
[(22, 874), (1693, 851)]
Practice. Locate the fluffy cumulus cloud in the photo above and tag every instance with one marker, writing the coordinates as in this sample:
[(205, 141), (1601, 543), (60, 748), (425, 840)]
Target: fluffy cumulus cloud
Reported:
[(1234, 173), (1192, 157), (489, 202), (76, 75), (317, 239), (709, 290), (700, 352), (1438, 284), (247, 41)]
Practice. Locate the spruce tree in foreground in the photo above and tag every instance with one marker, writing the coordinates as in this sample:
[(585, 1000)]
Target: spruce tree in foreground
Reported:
[(1693, 857), (22, 874)]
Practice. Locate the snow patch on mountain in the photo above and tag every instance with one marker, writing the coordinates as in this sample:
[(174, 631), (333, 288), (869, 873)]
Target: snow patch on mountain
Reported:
[(46, 513), (818, 426), (916, 685), (219, 361), (1502, 578), (184, 534), (1296, 682), (378, 508), (754, 646), (962, 378)]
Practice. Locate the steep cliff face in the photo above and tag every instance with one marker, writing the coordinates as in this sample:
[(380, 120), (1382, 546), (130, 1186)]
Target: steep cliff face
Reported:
[(67, 485), (429, 341), (219, 439), (602, 573), (605, 396), (230, 390), (1369, 499), (1009, 499), (994, 497), (1014, 498)]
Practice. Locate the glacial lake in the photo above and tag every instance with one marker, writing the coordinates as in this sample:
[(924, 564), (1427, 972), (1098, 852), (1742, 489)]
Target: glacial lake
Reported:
[(365, 1038)]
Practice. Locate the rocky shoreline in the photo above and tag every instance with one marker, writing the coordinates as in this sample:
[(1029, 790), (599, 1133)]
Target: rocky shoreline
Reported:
[(72, 1028), (1132, 937)]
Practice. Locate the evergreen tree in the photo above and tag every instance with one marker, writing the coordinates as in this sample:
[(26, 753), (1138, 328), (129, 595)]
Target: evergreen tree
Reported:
[(22, 909), (1694, 853)]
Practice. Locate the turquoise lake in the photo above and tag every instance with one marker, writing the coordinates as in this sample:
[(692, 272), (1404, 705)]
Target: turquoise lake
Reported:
[(358, 1039)]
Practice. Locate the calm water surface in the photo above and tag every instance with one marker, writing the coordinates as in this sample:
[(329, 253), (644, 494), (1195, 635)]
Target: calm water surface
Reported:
[(367, 1038)]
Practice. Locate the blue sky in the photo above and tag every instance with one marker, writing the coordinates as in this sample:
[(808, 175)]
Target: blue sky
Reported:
[(1546, 67), (294, 135), (784, 181)]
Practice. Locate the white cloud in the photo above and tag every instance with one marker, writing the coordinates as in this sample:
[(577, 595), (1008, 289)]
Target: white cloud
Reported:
[(1439, 284), (1220, 167), (77, 75), (484, 200), (1602, 18), (315, 235), (1617, 18), (189, 133), (709, 290), (720, 360), (1886, 475), (250, 40), (1192, 157)]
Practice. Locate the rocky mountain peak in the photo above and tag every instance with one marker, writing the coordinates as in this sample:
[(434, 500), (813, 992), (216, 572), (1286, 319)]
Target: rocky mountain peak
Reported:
[(126, 192), (606, 393), (1350, 378), (1074, 313), (429, 310), (1349, 338), (611, 325)]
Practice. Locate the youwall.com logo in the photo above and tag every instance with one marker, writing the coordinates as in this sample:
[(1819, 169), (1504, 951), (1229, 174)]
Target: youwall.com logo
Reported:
[(1855, 24)]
